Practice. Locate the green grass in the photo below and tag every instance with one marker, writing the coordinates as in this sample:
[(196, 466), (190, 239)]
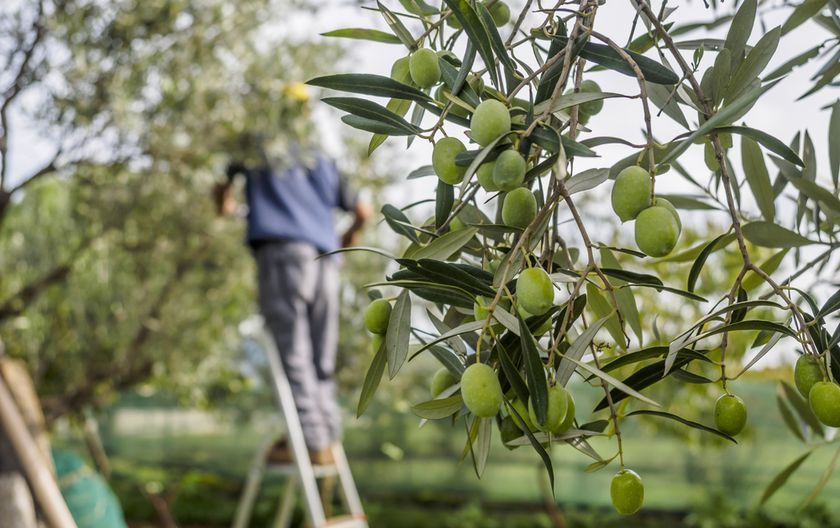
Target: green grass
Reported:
[(679, 476)]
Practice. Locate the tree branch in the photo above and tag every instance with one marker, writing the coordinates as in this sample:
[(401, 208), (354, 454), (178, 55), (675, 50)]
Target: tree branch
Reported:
[(130, 371), (17, 86), (20, 301)]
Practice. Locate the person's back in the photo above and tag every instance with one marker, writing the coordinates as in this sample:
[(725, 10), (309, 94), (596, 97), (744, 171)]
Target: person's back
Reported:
[(296, 201)]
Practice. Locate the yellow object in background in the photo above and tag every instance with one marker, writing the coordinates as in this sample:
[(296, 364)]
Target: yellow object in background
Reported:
[(296, 91)]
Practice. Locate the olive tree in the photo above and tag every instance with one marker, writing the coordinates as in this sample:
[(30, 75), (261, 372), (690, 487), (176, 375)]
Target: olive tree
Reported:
[(508, 284), (116, 271)]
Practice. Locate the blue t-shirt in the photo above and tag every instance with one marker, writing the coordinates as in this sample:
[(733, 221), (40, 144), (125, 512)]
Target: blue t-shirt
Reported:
[(295, 203)]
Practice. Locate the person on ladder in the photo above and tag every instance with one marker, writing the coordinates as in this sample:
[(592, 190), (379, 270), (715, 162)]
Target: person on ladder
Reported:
[(292, 190)]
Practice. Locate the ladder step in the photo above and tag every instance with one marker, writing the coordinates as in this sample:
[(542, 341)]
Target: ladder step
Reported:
[(290, 469), (346, 521)]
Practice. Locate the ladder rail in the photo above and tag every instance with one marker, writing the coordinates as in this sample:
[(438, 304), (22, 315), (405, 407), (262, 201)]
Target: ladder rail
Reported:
[(348, 485), (302, 474), (252, 485), (300, 455)]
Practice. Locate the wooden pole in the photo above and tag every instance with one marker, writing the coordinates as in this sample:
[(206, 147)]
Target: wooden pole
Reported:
[(41, 480)]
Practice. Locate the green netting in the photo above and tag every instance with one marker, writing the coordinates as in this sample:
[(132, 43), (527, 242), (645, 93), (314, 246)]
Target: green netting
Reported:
[(90, 499)]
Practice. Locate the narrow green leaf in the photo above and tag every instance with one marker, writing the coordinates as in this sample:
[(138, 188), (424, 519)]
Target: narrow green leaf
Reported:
[(783, 477), (693, 252), (604, 55), (815, 192), (720, 75), (830, 74), (753, 280), (740, 30), (450, 76), (764, 350), (481, 449), (375, 126), (757, 177), (586, 180), (748, 325), (366, 249), (367, 109), (697, 267), (466, 67), (729, 113), (624, 296), (709, 44), (798, 60), (767, 234), (444, 201), (536, 445), (641, 379), (446, 245), (448, 359), (534, 372), (830, 306), (363, 34), (476, 32), (753, 64), (369, 84), (602, 308), (833, 143), (397, 26), (520, 388), (397, 220), (438, 408), (676, 291), (789, 419), (632, 276), (695, 425), (661, 97), (466, 328), (549, 139), (372, 379), (620, 386), (766, 140), (396, 338), (803, 12), (576, 351), (551, 76), (568, 100), (802, 408), (495, 39), (822, 482), (651, 353), (419, 7)]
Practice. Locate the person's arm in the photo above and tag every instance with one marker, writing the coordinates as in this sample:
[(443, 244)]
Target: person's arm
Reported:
[(361, 214), (223, 192), (350, 202)]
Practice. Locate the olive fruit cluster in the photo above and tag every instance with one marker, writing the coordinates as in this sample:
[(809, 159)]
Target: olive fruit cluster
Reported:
[(658, 224), (823, 396)]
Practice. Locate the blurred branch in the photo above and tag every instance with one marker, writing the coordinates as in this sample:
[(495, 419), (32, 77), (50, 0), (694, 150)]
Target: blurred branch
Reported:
[(21, 79), (128, 372), (20, 301)]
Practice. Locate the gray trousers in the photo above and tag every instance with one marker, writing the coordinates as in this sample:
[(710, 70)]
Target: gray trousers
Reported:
[(298, 297)]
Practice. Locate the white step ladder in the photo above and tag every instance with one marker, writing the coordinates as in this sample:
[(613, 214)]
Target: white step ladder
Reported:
[(301, 472)]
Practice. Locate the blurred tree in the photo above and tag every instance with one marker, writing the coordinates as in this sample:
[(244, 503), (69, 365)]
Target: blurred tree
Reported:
[(114, 268)]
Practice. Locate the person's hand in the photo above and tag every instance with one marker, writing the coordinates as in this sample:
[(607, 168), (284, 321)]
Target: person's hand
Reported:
[(225, 204), (362, 214), (349, 238)]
